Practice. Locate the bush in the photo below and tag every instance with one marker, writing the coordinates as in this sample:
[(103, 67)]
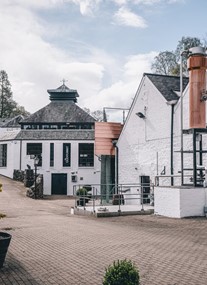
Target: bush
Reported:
[(81, 192), (84, 198), (122, 272)]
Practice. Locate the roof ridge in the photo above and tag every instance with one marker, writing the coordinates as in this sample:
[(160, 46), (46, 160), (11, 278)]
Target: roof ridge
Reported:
[(163, 75)]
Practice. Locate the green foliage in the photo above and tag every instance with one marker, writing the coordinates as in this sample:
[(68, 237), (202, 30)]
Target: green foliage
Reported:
[(121, 272), (165, 63), (8, 107), (81, 192), (168, 62), (2, 216)]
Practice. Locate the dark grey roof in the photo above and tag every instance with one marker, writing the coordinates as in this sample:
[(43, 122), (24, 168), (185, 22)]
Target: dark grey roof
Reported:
[(167, 85), (13, 123), (60, 112), (55, 135), (3, 121), (9, 135), (63, 93)]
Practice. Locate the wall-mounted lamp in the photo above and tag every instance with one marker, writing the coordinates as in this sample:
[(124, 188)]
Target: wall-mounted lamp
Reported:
[(140, 115), (172, 102)]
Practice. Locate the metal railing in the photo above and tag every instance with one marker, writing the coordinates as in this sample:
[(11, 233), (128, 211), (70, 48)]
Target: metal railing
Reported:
[(101, 196)]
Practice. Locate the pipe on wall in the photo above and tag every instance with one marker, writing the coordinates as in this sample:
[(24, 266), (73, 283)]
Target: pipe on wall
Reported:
[(197, 65), (172, 103)]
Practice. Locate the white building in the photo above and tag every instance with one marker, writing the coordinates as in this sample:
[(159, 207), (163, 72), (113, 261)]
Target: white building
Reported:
[(164, 140), (145, 142), (61, 135)]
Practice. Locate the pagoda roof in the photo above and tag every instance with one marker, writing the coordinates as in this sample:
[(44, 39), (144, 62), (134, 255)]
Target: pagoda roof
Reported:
[(63, 93)]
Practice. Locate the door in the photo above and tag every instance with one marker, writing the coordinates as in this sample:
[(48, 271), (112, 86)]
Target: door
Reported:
[(59, 184), (145, 184)]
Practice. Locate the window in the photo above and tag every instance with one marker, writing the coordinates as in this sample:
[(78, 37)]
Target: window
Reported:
[(66, 154), (35, 149), (86, 154), (51, 154), (3, 155)]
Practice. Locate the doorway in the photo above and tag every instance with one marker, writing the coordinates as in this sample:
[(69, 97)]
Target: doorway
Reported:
[(59, 184)]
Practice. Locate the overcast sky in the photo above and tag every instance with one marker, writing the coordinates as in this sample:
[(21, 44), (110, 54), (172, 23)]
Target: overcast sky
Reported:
[(101, 47)]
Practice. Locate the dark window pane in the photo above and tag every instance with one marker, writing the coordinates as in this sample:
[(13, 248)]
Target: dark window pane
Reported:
[(3, 155), (66, 154), (52, 154), (86, 154), (34, 148)]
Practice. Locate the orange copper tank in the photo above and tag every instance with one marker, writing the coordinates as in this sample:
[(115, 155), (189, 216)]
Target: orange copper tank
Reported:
[(197, 65)]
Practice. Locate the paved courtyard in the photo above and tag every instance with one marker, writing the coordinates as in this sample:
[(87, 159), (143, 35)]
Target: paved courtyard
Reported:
[(51, 246)]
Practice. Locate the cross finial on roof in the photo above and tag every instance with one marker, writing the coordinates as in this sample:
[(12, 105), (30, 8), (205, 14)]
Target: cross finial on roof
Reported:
[(63, 81)]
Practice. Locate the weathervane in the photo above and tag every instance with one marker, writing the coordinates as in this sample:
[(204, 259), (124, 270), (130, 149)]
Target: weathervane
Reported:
[(63, 81)]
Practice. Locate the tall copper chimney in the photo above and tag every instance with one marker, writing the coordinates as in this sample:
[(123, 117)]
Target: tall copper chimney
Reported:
[(197, 65)]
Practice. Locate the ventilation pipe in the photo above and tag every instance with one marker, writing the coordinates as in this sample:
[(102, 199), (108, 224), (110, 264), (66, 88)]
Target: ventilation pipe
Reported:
[(197, 65)]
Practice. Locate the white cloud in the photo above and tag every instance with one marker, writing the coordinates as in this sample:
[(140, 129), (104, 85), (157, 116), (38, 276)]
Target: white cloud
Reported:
[(127, 18), (120, 2), (121, 92), (34, 65), (87, 7), (32, 3), (147, 2)]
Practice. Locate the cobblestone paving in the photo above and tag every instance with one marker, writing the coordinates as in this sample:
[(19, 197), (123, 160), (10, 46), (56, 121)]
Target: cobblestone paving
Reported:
[(50, 246)]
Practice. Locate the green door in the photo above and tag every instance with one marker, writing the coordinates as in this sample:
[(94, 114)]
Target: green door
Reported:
[(59, 184)]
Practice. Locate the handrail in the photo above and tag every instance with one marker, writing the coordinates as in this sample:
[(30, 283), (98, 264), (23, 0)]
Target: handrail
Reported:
[(128, 194)]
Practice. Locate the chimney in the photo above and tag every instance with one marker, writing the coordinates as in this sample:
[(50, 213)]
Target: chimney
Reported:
[(197, 65)]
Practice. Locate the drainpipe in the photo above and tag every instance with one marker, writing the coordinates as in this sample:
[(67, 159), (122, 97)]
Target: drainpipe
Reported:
[(172, 103), (20, 156), (116, 166), (182, 54)]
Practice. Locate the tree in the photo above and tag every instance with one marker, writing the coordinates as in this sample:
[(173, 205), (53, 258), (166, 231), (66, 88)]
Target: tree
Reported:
[(8, 107), (97, 115), (19, 110), (185, 44), (165, 63), (6, 102), (168, 62)]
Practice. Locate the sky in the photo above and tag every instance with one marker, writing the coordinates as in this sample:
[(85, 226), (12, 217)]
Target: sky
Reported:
[(100, 47)]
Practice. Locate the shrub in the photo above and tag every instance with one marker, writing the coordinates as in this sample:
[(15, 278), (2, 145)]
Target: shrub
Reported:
[(84, 198), (122, 272), (81, 192)]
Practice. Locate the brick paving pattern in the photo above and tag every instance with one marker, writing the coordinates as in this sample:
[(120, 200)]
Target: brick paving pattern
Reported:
[(50, 246)]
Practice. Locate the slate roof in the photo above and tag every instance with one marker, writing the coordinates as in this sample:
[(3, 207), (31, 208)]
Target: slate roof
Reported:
[(167, 85), (60, 112), (13, 123), (9, 135), (55, 135), (3, 121)]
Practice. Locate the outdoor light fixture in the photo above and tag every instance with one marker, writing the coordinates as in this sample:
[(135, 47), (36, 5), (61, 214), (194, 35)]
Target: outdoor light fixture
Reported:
[(140, 115)]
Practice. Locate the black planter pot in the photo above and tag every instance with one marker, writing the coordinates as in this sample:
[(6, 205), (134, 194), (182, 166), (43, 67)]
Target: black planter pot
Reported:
[(5, 239)]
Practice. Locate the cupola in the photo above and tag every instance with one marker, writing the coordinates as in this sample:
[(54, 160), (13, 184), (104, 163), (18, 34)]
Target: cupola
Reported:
[(63, 93)]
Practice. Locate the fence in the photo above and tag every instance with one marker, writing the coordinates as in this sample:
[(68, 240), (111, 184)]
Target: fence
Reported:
[(103, 196)]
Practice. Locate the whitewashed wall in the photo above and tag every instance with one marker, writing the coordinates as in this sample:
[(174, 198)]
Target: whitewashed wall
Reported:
[(142, 141), (85, 175), (13, 158), (180, 202)]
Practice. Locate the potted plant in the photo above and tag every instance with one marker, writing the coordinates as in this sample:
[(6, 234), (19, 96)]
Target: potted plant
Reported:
[(5, 239), (121, 272), (83, 198)]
